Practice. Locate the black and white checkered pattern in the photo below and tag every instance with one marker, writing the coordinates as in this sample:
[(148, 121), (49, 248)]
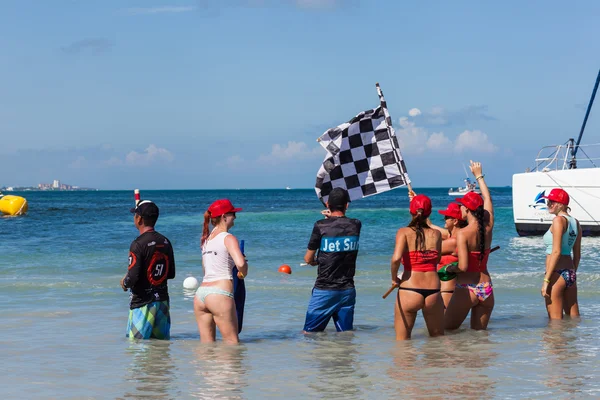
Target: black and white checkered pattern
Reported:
[(363, 156)]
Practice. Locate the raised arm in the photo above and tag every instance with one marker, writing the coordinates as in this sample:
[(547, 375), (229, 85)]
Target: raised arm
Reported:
[(485, 191)]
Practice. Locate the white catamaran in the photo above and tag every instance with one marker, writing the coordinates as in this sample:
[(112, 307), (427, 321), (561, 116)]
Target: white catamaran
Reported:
[(558, 167)]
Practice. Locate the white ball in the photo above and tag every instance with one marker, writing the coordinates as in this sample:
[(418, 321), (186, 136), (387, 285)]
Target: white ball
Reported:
[(190, 283)]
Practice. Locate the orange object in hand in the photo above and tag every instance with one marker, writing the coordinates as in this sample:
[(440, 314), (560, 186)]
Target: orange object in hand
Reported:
[(285, 269)]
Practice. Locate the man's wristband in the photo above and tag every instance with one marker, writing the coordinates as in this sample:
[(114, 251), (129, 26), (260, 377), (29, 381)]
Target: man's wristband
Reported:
[(480, 177), (546, 280)]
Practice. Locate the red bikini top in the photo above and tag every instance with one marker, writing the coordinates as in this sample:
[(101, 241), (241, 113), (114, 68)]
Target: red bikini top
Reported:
[(420, 261), (447, 259), (477, 265)]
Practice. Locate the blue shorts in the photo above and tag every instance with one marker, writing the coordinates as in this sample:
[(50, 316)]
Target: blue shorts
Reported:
[(325, 304), (150, 321)]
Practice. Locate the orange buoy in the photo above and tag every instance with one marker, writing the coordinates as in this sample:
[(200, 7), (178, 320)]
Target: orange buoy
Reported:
[(285, 269)]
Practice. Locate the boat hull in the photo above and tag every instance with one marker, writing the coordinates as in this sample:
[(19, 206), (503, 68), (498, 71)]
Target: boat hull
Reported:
[(531, 216), (462, 193)]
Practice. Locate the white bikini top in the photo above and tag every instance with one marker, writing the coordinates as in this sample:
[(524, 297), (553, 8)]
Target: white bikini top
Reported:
[(216, 260)]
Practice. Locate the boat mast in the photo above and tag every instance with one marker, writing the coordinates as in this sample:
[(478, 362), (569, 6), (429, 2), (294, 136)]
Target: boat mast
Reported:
[(573, 163)]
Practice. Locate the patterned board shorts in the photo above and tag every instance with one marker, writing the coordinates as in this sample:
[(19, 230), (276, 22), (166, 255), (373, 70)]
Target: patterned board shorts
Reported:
[(150, 321)]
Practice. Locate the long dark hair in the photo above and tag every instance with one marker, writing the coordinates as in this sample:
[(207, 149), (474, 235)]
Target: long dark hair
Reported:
[(479, 214), (418, 223), (205, 233)]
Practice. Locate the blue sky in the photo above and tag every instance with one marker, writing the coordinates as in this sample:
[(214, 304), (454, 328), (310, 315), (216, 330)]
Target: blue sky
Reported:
[(233, 93)]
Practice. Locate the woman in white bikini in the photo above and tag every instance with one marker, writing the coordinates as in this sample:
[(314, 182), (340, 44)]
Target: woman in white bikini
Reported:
[(214, 305)]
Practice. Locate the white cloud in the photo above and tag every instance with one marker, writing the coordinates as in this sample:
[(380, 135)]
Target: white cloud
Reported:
[(411, 137), (474, 140), (160, 10), (151, 155), (417, 139), (291, 151), (413, 112), (444, 117), (438, 141)]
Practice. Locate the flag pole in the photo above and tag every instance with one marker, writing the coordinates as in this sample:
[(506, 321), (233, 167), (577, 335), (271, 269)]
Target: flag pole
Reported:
[(388, 124)]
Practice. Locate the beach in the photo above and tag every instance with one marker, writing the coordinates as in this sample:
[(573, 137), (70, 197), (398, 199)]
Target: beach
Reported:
[(65, 315)]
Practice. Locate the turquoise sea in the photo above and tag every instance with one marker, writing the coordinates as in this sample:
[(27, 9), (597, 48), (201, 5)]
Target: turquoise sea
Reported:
[(64, 314)]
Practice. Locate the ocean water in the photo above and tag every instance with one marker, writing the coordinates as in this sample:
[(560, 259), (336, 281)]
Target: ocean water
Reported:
[(64, 314)]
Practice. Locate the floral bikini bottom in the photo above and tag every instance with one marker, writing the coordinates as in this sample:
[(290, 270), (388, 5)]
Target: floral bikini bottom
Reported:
[(569, 275), (482, 290)]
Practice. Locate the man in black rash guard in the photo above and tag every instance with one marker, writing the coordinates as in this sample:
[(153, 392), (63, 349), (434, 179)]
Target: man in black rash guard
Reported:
[(336, 240), (151, 264)]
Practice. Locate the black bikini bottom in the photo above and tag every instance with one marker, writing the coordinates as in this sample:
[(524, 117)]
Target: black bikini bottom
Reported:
[(423, 292)]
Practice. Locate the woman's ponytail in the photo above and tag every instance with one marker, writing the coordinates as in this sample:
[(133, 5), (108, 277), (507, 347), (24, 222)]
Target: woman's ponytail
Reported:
[(205, 232), (479, 214), (418, 223)]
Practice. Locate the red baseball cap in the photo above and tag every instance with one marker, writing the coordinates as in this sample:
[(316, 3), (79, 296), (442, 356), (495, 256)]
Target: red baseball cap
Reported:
[(471, 200), (559, 196), (452, 211), (420, 201), (220, 207)]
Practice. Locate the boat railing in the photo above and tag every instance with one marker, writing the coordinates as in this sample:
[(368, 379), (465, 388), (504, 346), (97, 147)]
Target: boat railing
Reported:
[(559, 157)]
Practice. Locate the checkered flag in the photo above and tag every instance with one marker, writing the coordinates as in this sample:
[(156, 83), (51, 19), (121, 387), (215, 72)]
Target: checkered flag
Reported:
[(363, 156)]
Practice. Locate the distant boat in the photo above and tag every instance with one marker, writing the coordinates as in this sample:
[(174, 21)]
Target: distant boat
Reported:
[(461, 191), (469, 187), (287, 188)]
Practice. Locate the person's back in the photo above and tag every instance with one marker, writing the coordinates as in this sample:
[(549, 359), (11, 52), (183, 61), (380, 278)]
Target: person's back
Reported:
[(151, 264), (334, 241), (424, 255), (338, 250), (418, 247), (153, 254), (474, 289)]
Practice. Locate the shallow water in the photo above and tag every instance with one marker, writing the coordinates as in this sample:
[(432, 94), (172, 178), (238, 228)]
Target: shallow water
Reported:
[(65, 314)]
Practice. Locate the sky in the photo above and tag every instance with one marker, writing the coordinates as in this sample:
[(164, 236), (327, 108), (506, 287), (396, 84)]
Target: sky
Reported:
[(204, 94)]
